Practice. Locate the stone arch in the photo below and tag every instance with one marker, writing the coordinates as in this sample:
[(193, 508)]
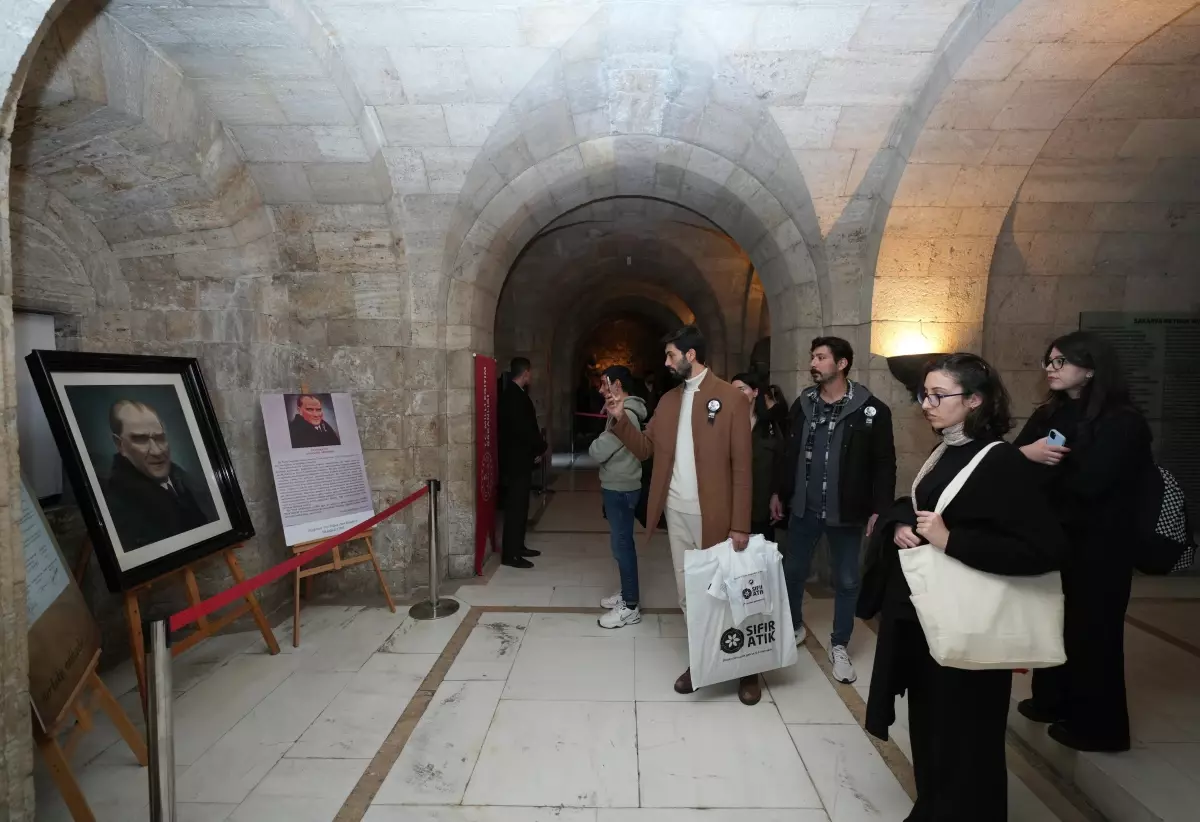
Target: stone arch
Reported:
[(1007, 83), (660, 307), (677, 123), (632, 166)]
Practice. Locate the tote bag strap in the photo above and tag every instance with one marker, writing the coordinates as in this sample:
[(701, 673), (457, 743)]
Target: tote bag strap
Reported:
[(959, 481)]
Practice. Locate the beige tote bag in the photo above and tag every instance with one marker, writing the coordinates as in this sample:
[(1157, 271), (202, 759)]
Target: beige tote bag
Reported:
[(980, 621)]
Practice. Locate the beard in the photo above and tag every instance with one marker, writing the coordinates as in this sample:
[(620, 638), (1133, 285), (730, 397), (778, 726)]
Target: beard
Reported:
[(819, 377), (682, 371)]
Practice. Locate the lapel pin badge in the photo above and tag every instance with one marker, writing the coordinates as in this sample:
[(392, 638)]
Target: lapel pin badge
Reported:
[(713, 407)]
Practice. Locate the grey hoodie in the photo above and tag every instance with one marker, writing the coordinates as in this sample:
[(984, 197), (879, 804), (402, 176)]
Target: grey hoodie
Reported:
[(619, 469)]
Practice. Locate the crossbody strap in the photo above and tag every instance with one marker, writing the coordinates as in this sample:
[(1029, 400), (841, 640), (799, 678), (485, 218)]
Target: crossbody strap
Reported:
[(959, 481)]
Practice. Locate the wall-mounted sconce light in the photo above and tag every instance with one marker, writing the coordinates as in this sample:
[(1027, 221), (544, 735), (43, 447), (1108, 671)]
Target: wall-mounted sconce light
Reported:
[(909, 369)]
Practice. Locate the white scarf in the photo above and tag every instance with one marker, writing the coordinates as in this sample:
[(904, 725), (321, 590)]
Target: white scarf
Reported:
[(952, 437)]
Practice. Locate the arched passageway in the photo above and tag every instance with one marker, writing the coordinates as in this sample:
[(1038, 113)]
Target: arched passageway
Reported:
[(361, 196)]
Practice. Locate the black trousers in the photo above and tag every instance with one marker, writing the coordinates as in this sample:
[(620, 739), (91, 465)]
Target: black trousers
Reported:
[(957, 721), (1088, 692), (518, 486)]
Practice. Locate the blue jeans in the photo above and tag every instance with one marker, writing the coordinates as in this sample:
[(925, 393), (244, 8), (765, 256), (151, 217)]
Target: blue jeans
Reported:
[(619, 507), (845, 543)]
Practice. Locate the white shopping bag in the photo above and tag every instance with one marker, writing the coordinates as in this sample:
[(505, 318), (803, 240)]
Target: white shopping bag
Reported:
[(720, 648), (740, 580)]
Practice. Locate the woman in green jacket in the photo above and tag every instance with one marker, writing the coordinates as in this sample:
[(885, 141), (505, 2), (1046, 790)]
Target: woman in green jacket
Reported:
[(767, 442)]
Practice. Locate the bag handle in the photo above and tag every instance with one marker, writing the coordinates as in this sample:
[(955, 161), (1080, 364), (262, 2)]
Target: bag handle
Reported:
[(956, 484)]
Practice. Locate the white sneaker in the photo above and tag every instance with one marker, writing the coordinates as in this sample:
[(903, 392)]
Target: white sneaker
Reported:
[(620, 616), (801, 635), (843, 668), (612, 601)]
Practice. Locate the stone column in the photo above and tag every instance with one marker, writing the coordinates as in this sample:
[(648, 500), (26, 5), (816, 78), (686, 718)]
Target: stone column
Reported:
[(16, 763)]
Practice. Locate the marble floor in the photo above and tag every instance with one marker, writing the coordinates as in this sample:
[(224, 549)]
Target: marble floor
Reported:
[(519, 708)]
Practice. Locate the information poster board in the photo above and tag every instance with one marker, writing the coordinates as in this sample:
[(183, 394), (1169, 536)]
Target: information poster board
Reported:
[(1160, 356), (487, 472), (63, 636), (317, 459)]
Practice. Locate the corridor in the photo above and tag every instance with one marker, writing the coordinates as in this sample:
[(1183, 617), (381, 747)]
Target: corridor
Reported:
[(521, 709)]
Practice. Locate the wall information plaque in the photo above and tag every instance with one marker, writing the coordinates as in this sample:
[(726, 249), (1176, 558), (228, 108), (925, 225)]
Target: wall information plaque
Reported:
[(1160, 355)]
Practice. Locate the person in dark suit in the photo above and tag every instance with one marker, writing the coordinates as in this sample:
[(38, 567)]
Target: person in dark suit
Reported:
[(308, 427), (521, 448), (999, 523), (149, 497)]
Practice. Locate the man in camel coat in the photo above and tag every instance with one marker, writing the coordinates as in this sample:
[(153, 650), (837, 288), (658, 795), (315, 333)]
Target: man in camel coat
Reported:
[(699, 439)]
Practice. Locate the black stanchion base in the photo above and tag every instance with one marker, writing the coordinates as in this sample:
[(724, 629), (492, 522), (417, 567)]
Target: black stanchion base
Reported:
[(433, 610)]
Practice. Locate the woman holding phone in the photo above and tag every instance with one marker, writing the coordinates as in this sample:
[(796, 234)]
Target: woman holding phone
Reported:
[(1091, 451)]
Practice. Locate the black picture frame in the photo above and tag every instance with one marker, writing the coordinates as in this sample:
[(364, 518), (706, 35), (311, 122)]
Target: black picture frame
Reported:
[(122, 566)]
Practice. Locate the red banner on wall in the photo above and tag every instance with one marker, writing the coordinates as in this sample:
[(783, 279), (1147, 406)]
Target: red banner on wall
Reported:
[(487, 471)]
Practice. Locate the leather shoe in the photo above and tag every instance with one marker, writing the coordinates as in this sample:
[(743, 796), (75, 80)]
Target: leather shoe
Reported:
[(750, 690), (683, 685), (529, 552), (516, 562), (1064, 736), (1029, 709)]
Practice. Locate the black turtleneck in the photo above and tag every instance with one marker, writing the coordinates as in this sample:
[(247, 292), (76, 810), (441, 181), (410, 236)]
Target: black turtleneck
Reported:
[(953, 460)]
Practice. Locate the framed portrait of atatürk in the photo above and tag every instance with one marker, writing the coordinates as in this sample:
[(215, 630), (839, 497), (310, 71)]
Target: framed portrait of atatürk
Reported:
[(145, 457)]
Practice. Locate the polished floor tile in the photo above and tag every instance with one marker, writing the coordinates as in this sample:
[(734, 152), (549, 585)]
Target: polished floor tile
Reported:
[(290, 709), (573, 754), (437, 760), (395, 813), (853, 781), (581, 668), (202, 812), (805, 695), (719, 755), (229, 771), (491, 648), (422, 636), (580, 625), (659, 662), (355, 724), (711, 815)]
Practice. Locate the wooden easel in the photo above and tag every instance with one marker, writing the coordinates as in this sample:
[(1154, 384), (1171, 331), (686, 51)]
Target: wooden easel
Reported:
[(339, 562), (204, 627), (58, 756)]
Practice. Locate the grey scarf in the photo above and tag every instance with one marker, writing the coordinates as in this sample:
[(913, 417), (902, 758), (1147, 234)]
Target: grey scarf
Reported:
[(951, 437)]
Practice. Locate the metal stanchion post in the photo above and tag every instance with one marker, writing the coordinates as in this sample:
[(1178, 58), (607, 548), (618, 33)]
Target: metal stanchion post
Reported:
[(433, 608), (160, 732)]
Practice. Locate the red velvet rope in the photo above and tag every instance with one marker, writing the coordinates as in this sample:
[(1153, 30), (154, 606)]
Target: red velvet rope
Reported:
[(240, 590)]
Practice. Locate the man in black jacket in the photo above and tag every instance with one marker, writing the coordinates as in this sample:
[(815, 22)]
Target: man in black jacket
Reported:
[(521, 448), (838, 475)]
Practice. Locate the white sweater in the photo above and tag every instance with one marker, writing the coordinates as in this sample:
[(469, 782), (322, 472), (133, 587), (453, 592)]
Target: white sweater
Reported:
[(684, 493)]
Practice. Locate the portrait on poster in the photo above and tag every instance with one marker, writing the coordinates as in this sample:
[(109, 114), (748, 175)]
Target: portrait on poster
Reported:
[(145, 457), (317, 461), (313, 420)]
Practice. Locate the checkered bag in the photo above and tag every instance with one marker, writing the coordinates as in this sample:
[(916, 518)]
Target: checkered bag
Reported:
[(1171, 547)]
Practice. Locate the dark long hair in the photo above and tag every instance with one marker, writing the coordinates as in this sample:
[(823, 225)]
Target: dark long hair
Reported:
[(1106, 389), (763, 423), (992, 419)]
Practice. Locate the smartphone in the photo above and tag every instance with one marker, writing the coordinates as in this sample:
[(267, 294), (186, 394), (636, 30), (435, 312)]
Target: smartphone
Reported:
[(1055, 437)]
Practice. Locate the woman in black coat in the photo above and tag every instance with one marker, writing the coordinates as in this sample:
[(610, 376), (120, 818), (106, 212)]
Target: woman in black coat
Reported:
[(766, 440), (1094, 484), (997, 524)]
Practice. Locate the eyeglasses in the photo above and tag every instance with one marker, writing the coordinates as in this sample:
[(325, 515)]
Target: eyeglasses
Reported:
[(1055, 364), (935, 399)]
